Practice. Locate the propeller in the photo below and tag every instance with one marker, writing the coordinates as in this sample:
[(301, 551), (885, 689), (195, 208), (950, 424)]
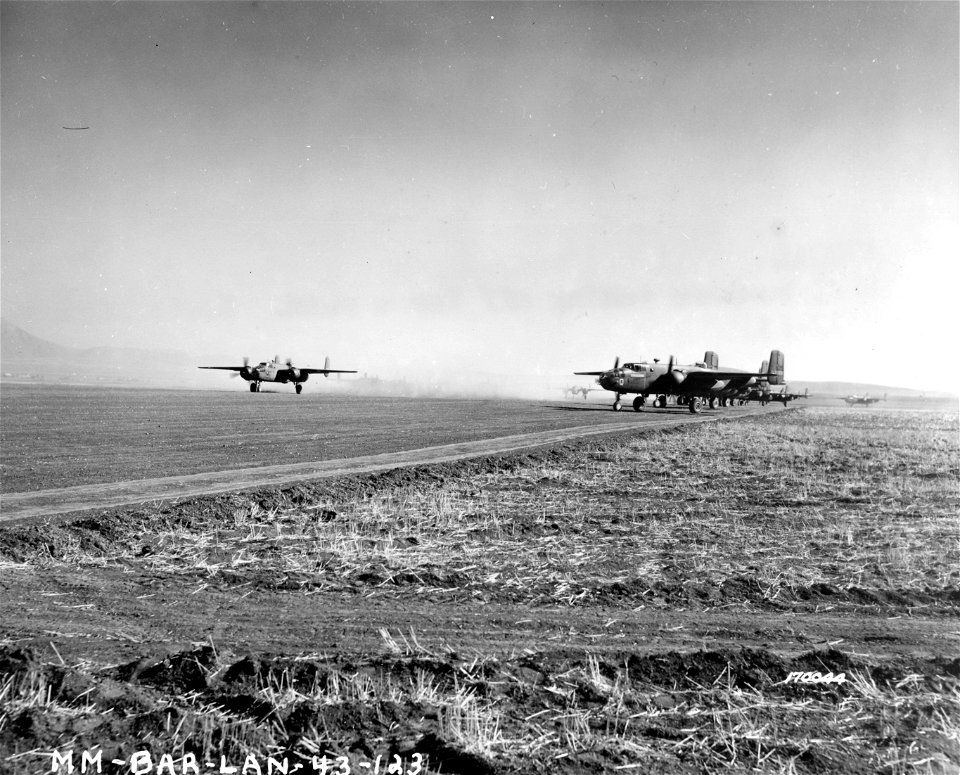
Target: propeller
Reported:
[(616, 365), (677, 375), (246, 363)]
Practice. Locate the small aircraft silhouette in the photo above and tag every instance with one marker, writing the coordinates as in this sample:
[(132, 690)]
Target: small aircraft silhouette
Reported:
[(274, 371), (692, 384), (863, 400), (572, 391), (785, 398), (764, 395)]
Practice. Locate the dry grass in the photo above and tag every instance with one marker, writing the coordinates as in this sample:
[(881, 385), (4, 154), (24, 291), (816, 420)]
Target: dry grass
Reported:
[(818, 499), (577, 710)]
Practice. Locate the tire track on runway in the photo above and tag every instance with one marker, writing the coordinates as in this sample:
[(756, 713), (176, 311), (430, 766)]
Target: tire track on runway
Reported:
[(23, 506)]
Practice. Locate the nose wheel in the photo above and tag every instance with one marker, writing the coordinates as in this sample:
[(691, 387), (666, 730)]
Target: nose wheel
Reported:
[(617, 406)]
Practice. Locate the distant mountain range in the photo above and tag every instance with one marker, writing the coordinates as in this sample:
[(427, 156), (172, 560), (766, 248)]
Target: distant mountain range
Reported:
[(28, 358), (859, 389)]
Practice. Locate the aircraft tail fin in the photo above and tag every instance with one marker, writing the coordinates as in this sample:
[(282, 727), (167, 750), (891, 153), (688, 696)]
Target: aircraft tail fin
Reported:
[(326, 365), (764, 366), (711, 359), (775, 370)]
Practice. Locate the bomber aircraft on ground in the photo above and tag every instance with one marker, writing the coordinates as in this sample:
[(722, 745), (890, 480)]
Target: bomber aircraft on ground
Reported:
[(692, 384), (863, 400), (275, 371), (764, 395)]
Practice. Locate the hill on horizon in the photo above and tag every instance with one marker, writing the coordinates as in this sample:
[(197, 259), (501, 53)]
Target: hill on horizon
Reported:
[(861, 388), (29, 358)]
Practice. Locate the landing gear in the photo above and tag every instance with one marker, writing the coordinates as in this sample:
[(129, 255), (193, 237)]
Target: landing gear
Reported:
[(696, 405), (712, 402), (254, 387), (662, 402), (299, 388), (638, 403), (617, 406)]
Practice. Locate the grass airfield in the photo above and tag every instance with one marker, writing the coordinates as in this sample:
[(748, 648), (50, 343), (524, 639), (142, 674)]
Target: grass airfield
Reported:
[(630, 604)]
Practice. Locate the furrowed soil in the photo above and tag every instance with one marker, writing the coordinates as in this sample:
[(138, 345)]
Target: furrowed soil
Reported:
[(777, 594)]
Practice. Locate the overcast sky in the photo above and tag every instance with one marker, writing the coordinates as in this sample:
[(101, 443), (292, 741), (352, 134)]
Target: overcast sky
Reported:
[(503, 187)]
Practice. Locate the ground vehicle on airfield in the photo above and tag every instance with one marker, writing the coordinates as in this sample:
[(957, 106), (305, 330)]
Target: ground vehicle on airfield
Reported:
[(694, 385)]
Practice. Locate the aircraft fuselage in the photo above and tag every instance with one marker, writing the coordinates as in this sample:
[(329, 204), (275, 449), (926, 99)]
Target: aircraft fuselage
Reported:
[(654, 379), (273, 372)]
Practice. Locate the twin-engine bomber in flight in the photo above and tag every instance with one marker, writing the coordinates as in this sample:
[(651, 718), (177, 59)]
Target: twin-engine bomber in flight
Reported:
[(274, 371), (691, 384)]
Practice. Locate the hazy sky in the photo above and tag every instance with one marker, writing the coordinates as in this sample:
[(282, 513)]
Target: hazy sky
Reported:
[(505, 187)]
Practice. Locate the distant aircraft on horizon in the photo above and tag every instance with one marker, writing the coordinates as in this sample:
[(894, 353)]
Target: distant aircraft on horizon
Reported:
[(275, 371), (572, 391), (764, 395), (864, 400)]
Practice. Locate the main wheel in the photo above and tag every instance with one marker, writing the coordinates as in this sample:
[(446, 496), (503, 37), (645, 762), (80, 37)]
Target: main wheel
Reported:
[(253, 387), (638, 404), (712, 402), (298, 388), (696, 405), (662, 402)]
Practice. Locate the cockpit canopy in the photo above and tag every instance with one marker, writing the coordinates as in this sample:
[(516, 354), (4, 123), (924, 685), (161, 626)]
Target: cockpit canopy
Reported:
[(636, 367)]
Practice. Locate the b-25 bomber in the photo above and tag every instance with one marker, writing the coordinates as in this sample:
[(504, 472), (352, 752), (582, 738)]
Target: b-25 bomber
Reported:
[(864, 400), (763, 395), (692, 384), (275, 371)]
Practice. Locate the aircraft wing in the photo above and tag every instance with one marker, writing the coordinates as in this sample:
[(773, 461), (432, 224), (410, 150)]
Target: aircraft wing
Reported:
[(706, 378), (326, 371), (590, 373), (223, 368)]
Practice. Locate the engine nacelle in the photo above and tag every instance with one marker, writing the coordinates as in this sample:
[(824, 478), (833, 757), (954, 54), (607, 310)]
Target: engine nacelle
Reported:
[(300, 376)]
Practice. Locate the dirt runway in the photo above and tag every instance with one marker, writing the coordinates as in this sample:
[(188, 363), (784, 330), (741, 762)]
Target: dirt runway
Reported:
[(100, 445)]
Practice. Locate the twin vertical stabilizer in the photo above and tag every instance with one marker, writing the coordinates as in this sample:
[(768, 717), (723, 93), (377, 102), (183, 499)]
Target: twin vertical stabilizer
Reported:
[(775, 369)]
